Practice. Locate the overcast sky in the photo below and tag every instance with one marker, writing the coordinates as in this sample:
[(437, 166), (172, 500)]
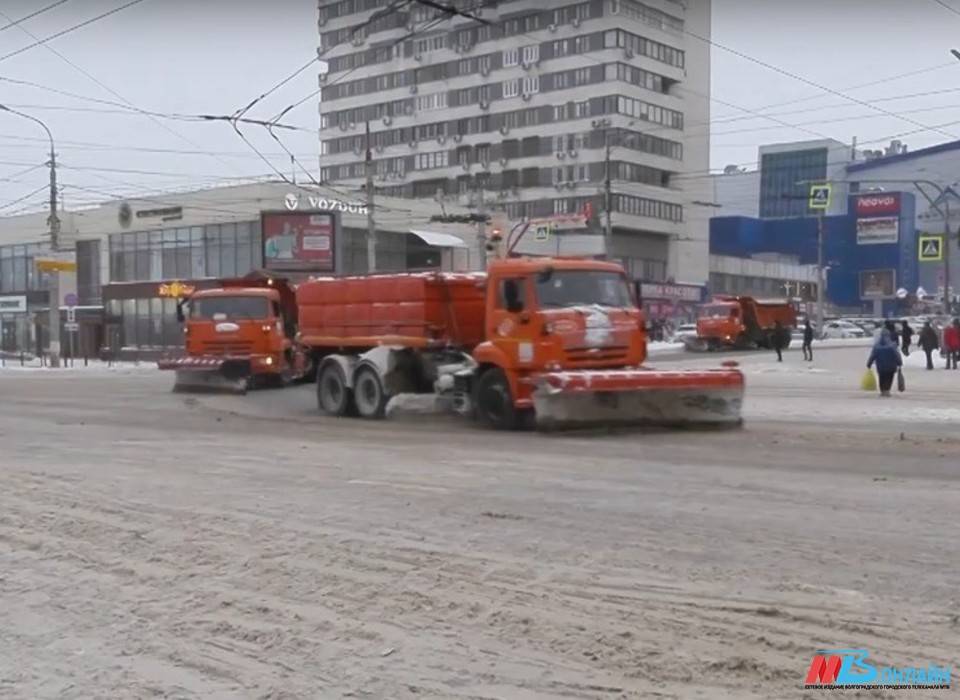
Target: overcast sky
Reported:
[(213, 56)]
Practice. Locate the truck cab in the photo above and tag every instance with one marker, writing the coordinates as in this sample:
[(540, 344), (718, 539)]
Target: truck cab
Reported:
[(720, 323), (238, 335), (242, 323), (554, 315)]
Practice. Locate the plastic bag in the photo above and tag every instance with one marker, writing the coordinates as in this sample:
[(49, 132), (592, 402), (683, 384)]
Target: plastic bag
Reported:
[(901, 382), (869, 381)]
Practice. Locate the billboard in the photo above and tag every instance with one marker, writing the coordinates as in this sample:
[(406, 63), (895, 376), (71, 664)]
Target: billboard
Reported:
[(880, 204), (878, 284), (878, 231), (300, 241)]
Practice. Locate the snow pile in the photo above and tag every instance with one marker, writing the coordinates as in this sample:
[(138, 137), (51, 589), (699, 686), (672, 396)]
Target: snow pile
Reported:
[(94, 367), (659, 346)]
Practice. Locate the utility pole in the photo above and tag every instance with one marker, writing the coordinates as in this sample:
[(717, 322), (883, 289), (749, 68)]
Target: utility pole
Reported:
[(608, 195), (481, 226), (947, 297), (53, 222), (371, 224), (820, 281)]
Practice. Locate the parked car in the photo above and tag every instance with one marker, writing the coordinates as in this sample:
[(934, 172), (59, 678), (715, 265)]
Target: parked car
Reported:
[(843, 329)]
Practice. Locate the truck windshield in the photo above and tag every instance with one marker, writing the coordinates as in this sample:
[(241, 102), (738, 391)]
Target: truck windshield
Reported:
[(560, 288), (716, 311), (229, 308)]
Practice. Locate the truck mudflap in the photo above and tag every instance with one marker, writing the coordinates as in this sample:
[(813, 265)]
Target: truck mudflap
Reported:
[(209, 373), (651, 397)]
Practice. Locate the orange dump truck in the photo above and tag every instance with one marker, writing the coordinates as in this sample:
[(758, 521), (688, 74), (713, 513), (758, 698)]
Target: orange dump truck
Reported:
[(743, 322), (239, 335), (551, 341)]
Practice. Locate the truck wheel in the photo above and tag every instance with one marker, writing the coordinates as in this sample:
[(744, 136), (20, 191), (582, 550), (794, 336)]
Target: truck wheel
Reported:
[(494, 405), (368, 393), (333, 395)]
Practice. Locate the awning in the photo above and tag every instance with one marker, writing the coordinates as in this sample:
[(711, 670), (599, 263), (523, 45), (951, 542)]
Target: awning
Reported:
[(441, 240)]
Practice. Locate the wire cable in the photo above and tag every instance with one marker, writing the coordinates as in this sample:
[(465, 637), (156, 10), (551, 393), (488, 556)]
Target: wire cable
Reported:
[(33, 14), (68, 30)]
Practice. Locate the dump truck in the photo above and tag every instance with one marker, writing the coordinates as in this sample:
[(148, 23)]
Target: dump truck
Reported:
[(532, 341), (742, 322), (239, 335)]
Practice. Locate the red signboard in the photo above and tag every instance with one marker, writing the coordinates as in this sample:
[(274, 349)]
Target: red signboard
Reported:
[(301, 241), (879, 204)]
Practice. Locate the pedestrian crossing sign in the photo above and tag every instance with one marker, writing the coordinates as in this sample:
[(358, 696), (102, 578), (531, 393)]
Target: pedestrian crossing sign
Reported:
[(819, 197), (931, 248)]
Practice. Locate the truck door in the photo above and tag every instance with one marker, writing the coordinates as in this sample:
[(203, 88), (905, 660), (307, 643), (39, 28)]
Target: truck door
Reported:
[(508, 323)]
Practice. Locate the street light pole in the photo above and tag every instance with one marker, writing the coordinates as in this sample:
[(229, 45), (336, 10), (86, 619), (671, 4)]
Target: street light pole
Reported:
[(53, 224)]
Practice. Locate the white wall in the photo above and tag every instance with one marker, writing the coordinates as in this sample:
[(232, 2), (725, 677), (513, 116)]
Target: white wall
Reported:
[(738, 194)]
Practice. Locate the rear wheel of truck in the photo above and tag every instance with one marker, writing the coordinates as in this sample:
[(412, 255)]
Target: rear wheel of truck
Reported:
[(333, 395), (368, 393), (494, 405)]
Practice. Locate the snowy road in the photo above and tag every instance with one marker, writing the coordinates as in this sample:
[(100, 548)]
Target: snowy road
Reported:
[(153, 544)]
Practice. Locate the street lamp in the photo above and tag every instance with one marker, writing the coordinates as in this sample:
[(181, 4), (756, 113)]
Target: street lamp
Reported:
[(53, 222)]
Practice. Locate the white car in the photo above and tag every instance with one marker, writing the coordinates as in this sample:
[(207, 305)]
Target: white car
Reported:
[(842, 329)]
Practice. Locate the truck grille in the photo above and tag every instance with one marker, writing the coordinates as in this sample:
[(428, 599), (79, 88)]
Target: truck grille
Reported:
[(227, 347), (607, 355)]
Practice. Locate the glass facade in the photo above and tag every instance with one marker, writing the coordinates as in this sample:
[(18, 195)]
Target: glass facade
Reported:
[(195, 252), (18, 273), (780, 195)]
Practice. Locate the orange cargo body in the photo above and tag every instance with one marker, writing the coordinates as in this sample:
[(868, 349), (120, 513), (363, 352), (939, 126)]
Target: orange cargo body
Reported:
[(417, 310), (769, 312)]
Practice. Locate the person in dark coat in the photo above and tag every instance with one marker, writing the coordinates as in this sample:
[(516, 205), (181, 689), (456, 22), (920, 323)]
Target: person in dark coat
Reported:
[(906, 336), (780, 339), (807, 341), (886, 356), (928, 342), (894, 336)]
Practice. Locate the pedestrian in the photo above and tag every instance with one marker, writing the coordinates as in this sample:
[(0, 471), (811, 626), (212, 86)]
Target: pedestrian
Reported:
[(894, 336), (928, 342), (780, 339), (886, 356), (951, 343), (906, 336), (807, 341)]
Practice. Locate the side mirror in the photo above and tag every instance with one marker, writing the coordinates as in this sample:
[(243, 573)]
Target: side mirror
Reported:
[(638, 293), (180, 317)]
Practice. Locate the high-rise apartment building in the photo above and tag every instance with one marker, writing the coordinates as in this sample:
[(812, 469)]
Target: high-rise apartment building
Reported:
[(527, 108)]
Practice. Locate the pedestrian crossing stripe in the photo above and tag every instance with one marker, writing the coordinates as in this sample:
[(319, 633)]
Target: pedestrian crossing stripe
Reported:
[(819, 197), (931, 248)]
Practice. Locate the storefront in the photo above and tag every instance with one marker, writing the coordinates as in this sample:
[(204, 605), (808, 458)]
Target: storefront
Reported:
[(673, 303)]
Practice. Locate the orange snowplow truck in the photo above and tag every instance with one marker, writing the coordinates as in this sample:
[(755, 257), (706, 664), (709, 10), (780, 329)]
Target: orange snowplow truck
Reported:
[(743, 322), (238, 336), (553, 342)]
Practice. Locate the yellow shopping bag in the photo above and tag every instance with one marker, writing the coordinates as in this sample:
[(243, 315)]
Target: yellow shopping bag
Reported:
[(869, 381)]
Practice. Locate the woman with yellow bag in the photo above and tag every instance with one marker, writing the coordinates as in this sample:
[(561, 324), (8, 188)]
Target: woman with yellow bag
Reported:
[(886, 356)]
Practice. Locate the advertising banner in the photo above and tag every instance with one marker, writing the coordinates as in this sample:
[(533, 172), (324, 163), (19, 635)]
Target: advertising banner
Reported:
[(672, 292), (878, 284), (878, 231), (299, 241), (881, 204)]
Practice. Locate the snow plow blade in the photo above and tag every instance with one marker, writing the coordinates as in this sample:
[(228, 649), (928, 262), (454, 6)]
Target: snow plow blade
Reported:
[(202, 374), (639, 397)]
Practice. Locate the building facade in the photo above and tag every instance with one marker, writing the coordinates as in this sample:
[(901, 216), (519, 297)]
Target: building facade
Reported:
[(871, 253), (526, 110), (127, 251)]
